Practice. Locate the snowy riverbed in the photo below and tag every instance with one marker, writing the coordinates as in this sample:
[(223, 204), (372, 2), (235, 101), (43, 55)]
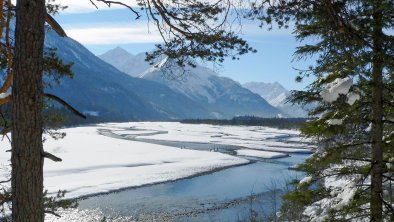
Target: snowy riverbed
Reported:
[(107, 157), (94, 163), (250, 137)]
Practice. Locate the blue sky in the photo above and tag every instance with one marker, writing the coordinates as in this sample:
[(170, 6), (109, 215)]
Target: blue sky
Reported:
[(104, 29)]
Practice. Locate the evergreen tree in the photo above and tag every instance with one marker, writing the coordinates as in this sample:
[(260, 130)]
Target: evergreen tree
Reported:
[(54, 70), (352, 43)]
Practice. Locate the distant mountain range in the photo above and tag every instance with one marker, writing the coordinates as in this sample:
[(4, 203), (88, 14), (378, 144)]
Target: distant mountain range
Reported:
[(277, 96), (105, 93), (202, 83), (222, 97)]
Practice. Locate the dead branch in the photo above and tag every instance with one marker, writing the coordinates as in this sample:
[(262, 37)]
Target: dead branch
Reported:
[(51, 157), (65, 104), (55, 26)]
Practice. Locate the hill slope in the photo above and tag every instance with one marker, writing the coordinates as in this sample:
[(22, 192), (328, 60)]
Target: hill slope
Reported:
[(103, 91)]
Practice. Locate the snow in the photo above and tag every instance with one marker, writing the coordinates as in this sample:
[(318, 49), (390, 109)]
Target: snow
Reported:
[(281, 99), (339, 86), (306, 179), (261, 154), (94, 163), (198, 82), (161, 63), (342, 190), (91, 113), (274, 93), (5, 95), (334, 122), (352, 97), (252, 137), (78, 215), (153, 68)]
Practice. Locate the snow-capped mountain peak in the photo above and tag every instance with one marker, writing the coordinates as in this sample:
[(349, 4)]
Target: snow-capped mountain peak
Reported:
[(126, 62), (274, 93), (277, 96), (223, 97)]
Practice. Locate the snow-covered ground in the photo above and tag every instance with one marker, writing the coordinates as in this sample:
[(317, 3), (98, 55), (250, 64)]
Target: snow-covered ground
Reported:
[(261, 154), (252, 137), (95, 163), (78, 215)]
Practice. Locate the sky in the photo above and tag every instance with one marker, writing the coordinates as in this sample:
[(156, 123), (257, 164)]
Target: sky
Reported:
[(106, 28)]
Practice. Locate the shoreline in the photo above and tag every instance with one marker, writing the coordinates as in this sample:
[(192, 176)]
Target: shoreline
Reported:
[(83, 197), (251, 160)]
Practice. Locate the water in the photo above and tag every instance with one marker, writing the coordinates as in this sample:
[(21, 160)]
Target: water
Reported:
[(231, 194), (220, 196)]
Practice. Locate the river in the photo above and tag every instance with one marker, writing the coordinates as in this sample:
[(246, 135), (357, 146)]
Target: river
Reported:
[(232, 194)]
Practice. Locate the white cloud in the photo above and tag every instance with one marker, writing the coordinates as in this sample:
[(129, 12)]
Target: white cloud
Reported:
[(119, 34), (83, 6)]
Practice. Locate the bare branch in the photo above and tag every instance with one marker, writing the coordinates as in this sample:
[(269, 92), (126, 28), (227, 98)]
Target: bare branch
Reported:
[(91, 1), (65, 104), (55, 26), (108, 3), (53, 213), (51, 157)]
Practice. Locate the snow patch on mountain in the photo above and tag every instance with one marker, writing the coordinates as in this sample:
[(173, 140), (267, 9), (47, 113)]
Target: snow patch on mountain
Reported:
[(277, 96), (274, 93), (126, 62), (196, 84)]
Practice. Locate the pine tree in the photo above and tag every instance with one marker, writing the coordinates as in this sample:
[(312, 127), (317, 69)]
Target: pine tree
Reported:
[(351, 41), (53, 69)]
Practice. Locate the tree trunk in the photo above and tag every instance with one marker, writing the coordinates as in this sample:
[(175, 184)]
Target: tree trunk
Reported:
[(27, 124), (377, 124)]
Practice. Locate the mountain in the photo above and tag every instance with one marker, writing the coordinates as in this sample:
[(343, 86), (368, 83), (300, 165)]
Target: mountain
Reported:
[(274, 93), (106, 94), (125, 61), (221, 96), (277, 96)]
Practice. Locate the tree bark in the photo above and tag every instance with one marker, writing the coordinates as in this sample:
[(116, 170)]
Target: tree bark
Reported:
[(27, 123), (377, 124)]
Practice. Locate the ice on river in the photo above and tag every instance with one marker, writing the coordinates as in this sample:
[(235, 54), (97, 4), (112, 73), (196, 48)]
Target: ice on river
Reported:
[(252, 137), (261, 154)]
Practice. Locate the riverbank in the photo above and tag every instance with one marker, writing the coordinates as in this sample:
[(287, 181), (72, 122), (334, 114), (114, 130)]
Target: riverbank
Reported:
[(222, 196), (108, 160), (94, 164)]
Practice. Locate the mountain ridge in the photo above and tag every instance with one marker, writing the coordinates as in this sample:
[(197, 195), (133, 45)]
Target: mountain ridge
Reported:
[(222, 96), (100, 89), (277, 95)]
